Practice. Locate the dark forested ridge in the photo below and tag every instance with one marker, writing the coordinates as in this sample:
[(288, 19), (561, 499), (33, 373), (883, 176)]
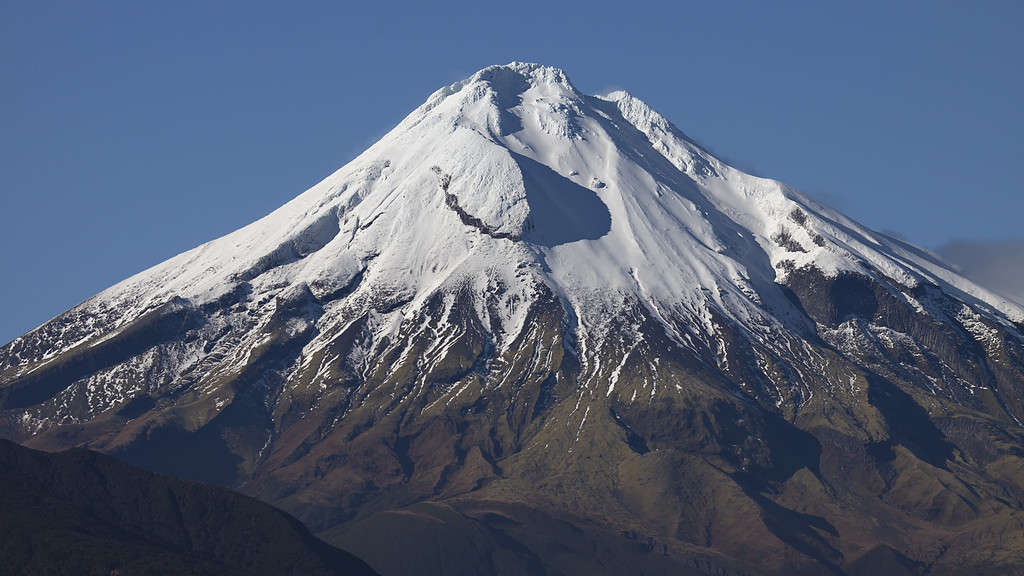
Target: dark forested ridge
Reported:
[(82, 513)]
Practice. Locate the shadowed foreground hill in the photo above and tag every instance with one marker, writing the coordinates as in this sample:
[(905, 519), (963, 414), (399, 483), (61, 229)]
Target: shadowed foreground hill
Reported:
[(80, 512)]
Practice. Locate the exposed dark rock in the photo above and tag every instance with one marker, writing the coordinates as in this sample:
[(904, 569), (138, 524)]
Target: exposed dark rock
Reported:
[(170, 320)]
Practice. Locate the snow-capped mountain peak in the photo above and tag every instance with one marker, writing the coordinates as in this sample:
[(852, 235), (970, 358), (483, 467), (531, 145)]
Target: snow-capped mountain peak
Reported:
[(521, 280), (513, 178)]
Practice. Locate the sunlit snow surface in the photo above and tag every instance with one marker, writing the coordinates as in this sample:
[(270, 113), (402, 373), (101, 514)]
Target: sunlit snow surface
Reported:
[(597, 198)]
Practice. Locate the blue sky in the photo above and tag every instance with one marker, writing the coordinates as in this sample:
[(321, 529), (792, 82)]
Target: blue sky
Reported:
[(132, 131)]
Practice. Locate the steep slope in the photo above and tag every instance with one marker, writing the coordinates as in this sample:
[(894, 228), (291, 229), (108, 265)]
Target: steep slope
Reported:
[(525, 305), (79, 512)]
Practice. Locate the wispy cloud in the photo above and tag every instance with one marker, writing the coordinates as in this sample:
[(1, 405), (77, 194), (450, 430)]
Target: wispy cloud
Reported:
[(997, 265)]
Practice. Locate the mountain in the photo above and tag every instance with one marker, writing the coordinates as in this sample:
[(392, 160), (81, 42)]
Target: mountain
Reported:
[(79, 512), (536, 331)]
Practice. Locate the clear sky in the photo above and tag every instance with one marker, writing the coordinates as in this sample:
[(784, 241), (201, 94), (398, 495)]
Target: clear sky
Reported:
[(132, 131)]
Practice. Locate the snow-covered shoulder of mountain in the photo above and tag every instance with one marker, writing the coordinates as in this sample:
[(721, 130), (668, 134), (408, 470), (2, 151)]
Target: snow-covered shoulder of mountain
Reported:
[(832, 242)]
